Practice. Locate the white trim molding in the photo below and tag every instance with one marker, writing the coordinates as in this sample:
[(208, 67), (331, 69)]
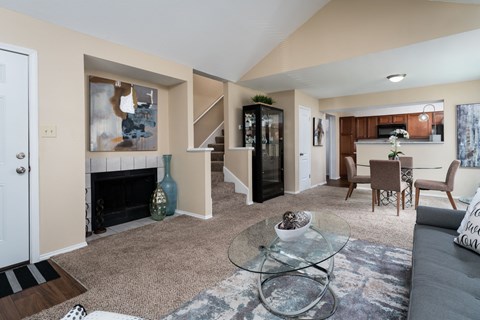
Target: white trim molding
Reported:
[(240, 187), (48, 255), (194, 215)]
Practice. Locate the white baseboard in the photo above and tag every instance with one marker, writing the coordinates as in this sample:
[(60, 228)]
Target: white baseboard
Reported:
[(230, 177), (311, 187), (48, 255), (194, 215)]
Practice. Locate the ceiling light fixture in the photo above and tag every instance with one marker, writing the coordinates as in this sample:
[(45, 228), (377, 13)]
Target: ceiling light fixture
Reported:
[(396, 77)]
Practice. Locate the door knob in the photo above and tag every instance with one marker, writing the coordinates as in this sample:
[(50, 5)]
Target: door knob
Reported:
[(301, 154), (21, 170)]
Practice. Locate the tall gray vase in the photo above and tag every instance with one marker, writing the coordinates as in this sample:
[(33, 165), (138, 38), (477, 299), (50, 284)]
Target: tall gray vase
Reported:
[(169, 186)]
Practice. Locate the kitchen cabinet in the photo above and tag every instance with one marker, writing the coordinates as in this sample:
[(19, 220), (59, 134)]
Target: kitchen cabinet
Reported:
[(366, 127), (347, 142), (394, 118), (361, 128), (417, 129), (263, 130)]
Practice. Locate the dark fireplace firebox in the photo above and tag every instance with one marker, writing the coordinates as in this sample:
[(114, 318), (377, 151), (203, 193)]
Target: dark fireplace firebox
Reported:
[(121, 196)]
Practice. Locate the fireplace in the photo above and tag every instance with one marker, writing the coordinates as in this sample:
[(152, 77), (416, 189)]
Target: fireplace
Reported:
[(121, 196)]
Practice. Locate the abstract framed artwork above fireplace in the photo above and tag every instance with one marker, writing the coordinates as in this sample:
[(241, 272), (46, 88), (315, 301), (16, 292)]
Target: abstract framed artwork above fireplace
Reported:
[(129, 171)]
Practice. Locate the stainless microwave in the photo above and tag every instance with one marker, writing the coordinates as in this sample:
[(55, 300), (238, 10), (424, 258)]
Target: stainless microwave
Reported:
[(385, 130)]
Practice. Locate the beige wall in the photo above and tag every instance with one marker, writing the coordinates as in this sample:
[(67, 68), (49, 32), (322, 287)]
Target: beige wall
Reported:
[(344, 29), (235, 159), (208, 123), (290, 101), (205, 92), (467, 179), (61, 99)]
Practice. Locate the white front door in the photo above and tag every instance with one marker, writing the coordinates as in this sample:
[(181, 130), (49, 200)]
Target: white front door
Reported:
[(14, 159), (304, 146)]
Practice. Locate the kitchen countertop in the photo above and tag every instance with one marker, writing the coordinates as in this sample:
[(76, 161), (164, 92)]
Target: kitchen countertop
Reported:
[(402, 141)]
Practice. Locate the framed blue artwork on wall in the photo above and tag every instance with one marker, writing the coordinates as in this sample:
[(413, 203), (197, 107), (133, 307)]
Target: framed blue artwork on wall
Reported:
[(468, 135), (123, 116)]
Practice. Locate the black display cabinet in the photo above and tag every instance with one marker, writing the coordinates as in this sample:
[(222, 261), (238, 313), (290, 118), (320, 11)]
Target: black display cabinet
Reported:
[(263, 130)]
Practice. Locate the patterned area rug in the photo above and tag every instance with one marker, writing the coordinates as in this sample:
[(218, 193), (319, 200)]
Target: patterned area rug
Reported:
[(370, 280)]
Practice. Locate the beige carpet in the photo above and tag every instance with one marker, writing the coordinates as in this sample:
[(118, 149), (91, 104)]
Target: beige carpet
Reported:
[(152, 270)]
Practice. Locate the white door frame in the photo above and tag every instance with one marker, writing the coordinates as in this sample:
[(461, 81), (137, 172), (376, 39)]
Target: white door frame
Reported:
[(309, 127), (34, 208)]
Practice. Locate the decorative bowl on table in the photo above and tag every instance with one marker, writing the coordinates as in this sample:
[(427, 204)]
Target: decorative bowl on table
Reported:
[(293, 225)]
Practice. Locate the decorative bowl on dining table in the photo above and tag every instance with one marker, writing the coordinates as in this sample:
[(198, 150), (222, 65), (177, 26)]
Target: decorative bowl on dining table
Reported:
[(293, 225)]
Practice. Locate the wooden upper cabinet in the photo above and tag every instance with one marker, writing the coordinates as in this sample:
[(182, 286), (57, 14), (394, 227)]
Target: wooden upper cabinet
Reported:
[(417, 129), (384, 119), (361, 128), (372, 127), (438, 117), (399, 118), (395, 118), (366, 127)]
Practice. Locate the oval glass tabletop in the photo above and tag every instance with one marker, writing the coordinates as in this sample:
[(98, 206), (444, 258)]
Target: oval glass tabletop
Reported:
[(327, 235)]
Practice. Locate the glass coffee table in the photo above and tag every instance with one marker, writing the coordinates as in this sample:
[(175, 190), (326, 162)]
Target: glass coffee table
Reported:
[(307, 261)]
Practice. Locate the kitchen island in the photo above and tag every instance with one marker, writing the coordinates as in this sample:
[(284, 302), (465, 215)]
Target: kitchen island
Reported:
[(425, 153)]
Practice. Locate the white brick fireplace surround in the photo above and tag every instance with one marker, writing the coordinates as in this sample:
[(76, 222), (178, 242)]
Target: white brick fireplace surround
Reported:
[(104, 164)]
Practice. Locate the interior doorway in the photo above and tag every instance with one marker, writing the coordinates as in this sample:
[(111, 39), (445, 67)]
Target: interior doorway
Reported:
[(304, 148), (21, 169)]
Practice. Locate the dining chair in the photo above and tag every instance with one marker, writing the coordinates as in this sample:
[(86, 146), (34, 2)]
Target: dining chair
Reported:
[(446, 186), (386, 175), (353, 177)]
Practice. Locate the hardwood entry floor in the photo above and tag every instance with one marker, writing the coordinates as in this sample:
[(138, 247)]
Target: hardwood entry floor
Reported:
[(342, 182), (43, 296)]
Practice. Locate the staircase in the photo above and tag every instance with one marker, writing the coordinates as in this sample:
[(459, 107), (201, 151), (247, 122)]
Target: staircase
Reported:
[(223, 194), (217, 154)]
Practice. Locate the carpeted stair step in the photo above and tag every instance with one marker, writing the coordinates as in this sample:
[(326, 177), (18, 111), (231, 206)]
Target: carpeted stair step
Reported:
[(217, 177), (217, 166), (217, 146), (224, 192), (220, 140), (223, 189), (217, 156)]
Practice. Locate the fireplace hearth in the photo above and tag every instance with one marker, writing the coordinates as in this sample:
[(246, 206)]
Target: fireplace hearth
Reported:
[(121, 196)]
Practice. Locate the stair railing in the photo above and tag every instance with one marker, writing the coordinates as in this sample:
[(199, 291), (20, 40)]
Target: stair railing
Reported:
[(206, 131), (208, 109)]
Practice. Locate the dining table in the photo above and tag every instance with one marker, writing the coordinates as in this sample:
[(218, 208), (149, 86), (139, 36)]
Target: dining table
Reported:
[(407, 176)]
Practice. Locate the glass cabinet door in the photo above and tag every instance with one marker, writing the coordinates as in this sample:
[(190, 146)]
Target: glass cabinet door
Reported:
[(249, 123), (271, 149), (263, 131)]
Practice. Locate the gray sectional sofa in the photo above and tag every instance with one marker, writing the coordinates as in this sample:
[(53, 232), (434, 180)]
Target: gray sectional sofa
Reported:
[(445, 280)]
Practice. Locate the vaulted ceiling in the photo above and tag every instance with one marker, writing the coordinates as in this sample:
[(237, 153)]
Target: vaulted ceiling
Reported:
[(325, 48)]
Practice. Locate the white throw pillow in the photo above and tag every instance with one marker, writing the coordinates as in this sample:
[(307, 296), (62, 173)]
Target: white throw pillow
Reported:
[(470, 236), (473, 204)]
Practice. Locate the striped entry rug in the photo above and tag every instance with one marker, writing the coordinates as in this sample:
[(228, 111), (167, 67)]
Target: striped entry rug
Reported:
[(21, 278)]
